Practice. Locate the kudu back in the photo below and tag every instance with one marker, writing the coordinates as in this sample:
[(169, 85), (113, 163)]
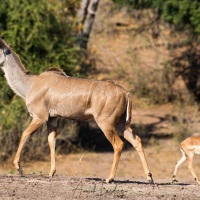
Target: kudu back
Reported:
[(53, 94)]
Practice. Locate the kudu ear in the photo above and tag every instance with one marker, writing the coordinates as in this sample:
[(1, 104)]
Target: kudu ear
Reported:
[(3, 44)]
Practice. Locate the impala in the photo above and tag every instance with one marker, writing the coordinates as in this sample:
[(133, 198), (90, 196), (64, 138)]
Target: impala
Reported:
[(189, 147)]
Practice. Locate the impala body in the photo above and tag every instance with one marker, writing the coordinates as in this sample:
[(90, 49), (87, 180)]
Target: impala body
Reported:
[(53, 94)]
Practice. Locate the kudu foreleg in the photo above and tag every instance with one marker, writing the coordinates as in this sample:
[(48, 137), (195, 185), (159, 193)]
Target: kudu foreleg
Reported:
[(137, 144), (32, 128), (51, 128)]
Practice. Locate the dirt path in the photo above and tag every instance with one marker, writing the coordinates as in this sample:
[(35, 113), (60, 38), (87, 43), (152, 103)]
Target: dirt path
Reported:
[(63, 187)]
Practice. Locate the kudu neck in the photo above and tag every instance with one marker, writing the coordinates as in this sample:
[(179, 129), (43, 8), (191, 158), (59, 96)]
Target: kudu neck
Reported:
[(17, 77)]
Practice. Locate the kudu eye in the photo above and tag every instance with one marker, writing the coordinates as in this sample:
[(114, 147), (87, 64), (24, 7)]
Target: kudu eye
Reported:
[(6, 51)]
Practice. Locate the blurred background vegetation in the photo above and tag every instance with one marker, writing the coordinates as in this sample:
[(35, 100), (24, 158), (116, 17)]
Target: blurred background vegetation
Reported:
[(45, 33)]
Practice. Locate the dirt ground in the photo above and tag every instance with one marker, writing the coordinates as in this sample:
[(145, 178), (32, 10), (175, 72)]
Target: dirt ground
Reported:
[(82, 176), (64, 187)]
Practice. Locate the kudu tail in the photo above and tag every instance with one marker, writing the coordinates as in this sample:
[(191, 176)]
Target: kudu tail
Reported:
[(128, 111)]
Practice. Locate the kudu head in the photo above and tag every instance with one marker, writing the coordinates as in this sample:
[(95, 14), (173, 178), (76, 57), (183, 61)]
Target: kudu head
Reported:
[(4, 52)]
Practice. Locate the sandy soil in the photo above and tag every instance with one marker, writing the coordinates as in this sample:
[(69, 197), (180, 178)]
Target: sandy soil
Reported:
[(81, 176), (64, 187)]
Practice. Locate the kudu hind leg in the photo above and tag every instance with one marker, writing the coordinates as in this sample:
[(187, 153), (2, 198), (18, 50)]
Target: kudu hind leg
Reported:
[(117, 145), (137, 144), (32, 128), (51, 129)]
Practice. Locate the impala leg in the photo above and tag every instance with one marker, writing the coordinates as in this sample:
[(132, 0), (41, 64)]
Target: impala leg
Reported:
[(117, 145), (137, 144), (190, 159), (32, 128), (51, 128), (183, 158)]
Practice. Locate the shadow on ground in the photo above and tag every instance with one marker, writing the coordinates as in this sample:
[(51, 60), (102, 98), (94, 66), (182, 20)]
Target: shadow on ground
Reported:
[(92, 138)]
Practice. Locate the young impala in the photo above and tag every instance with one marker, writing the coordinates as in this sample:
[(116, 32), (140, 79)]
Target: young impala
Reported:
[(53, 94), (189, 147)]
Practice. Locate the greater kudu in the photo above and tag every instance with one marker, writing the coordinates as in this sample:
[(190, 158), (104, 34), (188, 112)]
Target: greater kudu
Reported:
[(53, 94)]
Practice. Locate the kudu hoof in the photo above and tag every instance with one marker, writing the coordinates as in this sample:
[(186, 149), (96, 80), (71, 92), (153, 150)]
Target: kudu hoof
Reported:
[(151, 181), (174, 181), (51, 174), (150, 178), (20, 170), (109, 180)]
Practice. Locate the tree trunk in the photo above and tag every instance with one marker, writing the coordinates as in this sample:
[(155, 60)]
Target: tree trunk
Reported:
[(86, 16)]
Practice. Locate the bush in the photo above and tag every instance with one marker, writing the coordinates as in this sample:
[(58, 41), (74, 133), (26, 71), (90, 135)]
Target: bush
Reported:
[(184, 14)]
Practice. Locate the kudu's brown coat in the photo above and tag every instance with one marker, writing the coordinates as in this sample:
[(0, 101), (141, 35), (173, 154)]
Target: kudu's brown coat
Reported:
[(53, 94)]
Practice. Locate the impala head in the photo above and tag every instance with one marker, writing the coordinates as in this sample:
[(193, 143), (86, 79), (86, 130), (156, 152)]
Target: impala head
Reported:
[(4, 52)]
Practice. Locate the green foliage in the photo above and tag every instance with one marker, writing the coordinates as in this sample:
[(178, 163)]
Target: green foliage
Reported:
[(136, 4), (40, 33), (12, 171), (11, 115), (43, 34), (183, 13)]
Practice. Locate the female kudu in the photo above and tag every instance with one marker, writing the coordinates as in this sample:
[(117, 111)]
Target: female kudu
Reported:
[(52, 94)]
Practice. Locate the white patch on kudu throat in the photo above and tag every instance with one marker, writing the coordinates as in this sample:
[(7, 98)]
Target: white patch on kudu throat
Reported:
[(2, 58), (17, 79)]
